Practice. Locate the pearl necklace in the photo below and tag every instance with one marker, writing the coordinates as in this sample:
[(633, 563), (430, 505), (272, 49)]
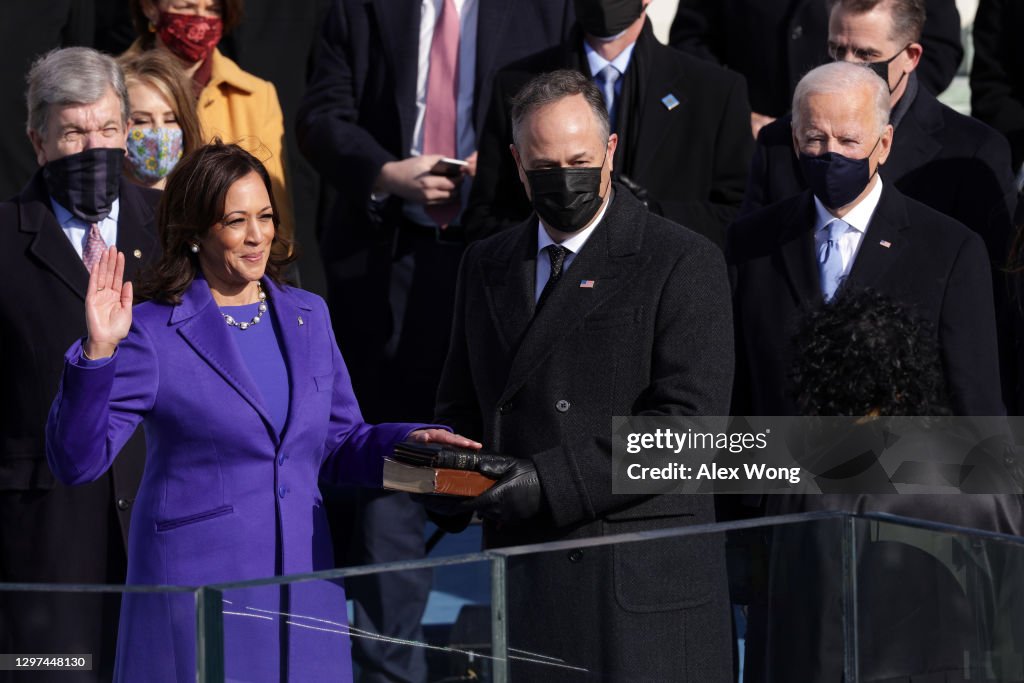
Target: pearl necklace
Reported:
[(256, 318)]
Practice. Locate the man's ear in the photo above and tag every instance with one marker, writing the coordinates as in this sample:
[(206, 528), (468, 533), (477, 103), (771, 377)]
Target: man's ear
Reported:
[(914, 52), (520, 169), (613, 142), (37, 145)]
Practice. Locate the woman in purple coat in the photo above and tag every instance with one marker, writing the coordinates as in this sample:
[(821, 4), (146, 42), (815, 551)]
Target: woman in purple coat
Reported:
[(246, 403)]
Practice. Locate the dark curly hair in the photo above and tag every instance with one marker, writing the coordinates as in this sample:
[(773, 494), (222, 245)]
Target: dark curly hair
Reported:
[(866, 354), (192, 203)]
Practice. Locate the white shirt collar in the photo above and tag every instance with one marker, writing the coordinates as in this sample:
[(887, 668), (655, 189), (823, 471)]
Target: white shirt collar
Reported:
[(575, 243), (858, 217), (597, 62)]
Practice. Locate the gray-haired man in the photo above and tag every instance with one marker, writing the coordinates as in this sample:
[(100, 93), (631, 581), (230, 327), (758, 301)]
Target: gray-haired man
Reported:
[(73, 207)]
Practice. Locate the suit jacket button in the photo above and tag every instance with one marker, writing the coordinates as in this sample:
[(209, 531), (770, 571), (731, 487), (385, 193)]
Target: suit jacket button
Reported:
[(575, 555), (123, 503), (505, 408), (562, 406), (281, 490), (280, 459)]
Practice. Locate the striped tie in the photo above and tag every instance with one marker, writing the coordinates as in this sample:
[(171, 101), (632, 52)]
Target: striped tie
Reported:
[(94, 247)]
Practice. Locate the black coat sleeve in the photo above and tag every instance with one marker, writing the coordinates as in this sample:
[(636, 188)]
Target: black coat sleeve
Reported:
[(997, 74)]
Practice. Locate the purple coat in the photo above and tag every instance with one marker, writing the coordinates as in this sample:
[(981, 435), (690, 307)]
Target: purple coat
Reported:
[(224, 497)]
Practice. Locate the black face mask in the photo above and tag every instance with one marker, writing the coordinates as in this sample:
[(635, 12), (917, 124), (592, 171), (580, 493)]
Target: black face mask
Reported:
[(607, 18), (566, 199), (882, 69), (835, 179), (86, 183)]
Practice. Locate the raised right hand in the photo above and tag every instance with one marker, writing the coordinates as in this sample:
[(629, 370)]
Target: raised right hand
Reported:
[(411, 179), (108, 306)]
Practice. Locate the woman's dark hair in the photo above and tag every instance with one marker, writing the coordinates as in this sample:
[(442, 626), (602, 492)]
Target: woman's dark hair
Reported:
[(192, 203), (230, 15), (865, 354)]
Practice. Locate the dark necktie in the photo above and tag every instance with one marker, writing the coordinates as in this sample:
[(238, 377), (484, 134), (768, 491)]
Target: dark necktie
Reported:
[(557, 254)]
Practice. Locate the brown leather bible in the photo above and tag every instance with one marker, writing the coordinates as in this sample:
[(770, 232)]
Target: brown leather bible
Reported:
[(400, 476)]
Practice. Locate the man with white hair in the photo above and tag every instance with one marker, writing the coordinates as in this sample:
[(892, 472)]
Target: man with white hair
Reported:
[(852, 230), (950, 162), (73, 208)]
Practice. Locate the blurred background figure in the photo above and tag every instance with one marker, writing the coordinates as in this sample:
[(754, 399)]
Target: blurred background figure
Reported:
[(232, 104), (684, 145), (775, 42), (75, 205), (398, 85), (997, 75), (162, 121), (29, 29)]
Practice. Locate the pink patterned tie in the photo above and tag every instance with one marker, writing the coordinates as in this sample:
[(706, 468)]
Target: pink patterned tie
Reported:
[(439, 119), (94, 248)]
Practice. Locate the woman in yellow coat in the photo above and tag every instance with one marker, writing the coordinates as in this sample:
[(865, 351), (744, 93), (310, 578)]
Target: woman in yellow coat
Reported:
[(232, 104)]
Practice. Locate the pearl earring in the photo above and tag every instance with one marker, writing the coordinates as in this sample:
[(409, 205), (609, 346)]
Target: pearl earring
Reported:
[(194, 248)]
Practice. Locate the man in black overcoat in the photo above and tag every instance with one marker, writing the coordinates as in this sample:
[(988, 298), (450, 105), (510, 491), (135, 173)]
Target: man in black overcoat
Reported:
[(781, 257), (948, 161), (78, 126), (592, 307), (390, 265), (682, 125)]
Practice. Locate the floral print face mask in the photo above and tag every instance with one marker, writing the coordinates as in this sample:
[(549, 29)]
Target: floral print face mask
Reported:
[(153, 152)]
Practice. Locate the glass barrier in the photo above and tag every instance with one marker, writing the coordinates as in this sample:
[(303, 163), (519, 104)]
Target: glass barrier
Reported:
[(812, 596)]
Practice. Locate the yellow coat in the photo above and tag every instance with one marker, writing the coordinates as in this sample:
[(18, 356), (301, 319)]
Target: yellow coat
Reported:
[(241, 108)]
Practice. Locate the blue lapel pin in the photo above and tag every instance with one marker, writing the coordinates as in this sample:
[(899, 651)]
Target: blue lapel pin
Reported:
[(670, 101)]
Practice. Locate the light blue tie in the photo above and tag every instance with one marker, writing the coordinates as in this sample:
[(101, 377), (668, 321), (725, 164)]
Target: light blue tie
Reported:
[(830, 261), (607, 78)]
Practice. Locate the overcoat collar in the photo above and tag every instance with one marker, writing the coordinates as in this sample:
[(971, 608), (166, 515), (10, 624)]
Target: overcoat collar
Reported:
[(201, 325), (610, 258), (879, 247), (136, 234)]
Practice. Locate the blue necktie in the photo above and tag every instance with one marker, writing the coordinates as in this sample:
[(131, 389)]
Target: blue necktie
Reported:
[(606, 78), (830, 261)]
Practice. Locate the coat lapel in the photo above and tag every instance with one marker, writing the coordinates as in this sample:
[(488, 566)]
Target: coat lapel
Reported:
[(608, 258), (797, 253), (136, 230), (881, 245), (399, 22), (294, 320), (201, 325), (915, 143), (509, 285), (50, 245), (656, 118)]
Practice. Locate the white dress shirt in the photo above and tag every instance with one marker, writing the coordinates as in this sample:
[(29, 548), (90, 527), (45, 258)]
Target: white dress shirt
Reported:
[(858, 219), (465, 134), (77, 230), (574, 244)]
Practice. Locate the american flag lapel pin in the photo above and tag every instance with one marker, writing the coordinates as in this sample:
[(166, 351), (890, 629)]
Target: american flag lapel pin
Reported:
[(886, 243), (587, 284)]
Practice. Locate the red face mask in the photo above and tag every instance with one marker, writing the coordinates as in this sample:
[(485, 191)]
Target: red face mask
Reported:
[(190, 37)]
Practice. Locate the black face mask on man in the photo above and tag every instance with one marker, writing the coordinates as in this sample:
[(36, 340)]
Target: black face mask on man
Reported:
[(835, 179), (566, 199), (882, 69), (607, 18), (86, 184)]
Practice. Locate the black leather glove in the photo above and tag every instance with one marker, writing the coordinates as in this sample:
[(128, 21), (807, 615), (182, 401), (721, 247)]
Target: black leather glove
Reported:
[(516, 495)]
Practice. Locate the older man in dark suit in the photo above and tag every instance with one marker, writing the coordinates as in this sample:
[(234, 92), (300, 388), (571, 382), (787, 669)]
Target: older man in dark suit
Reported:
[(853, 229), (950, 162), (682, 123), (72, 208), (397, 86), (591, 308)]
